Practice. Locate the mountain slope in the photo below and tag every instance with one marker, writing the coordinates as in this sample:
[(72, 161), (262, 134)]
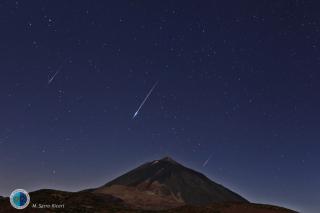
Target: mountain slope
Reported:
[(164, 183), (230, 208)]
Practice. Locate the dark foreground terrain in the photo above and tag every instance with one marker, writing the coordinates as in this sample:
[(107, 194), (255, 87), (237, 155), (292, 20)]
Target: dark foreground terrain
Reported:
[(162, 186), (89, 202)]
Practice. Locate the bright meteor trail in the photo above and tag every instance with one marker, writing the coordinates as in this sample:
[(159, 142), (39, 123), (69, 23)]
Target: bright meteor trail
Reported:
[(144, 100)]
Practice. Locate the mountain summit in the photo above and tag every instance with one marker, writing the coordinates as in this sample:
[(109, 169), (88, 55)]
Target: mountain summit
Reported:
[(165, 183)]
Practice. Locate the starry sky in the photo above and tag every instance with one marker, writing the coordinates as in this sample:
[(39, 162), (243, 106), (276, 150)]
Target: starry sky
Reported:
[(237, 95)]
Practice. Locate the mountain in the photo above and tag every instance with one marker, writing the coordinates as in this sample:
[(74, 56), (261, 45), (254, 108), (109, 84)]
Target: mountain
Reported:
[(160, 186), (164, 183)]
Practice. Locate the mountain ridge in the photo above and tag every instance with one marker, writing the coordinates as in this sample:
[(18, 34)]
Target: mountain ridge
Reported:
[(159, 186), (166, 179)]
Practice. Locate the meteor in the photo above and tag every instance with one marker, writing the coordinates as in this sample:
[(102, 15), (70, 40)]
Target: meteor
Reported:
[(55, 74), (207, 161), (144, 100)]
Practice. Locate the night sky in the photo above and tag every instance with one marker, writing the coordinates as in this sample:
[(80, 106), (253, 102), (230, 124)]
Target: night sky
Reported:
[(237, 95)]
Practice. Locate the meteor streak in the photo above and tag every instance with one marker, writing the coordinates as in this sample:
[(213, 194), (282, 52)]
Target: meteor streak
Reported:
[(207, 161), (55, 74), (144, 100)]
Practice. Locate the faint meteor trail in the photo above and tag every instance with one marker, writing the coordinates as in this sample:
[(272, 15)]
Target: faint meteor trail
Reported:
[(144, 100), (207, 161), (55, 74)]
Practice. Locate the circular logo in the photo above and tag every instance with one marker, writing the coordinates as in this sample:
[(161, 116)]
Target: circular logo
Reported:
[(19, 199)]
